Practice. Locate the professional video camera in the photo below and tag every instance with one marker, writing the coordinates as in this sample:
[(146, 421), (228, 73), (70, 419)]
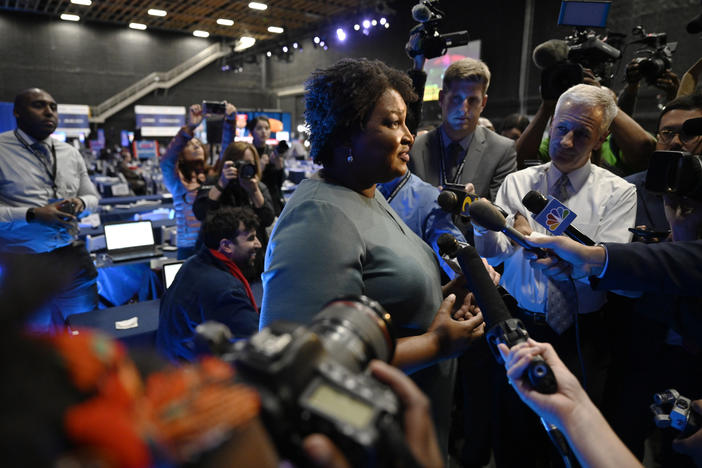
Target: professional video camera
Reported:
[(675, 172), (670, 409), (431, 43), (312, 379), (562, 61), (656, 57)]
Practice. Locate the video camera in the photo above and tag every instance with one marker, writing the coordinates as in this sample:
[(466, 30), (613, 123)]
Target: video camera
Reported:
[(312, 379), (431, 43), (562, 61), (656, 55), (670, 409), (675, 172)]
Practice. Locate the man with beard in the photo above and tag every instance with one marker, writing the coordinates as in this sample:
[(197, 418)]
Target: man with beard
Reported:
[(44, 186), (211, 285)]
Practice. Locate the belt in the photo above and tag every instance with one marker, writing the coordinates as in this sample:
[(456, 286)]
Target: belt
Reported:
[(538, 318)]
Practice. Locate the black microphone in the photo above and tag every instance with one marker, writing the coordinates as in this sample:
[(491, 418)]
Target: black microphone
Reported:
[(421, 13), (449, 245), (500, 325), (488, 216), (693, 126), (550, 53), (536, 202)]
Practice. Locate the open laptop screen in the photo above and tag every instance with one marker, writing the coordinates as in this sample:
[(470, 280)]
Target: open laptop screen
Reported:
[(169, 272), (129, 235)]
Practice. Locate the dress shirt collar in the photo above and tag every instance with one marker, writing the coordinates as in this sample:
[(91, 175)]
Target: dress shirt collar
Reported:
[(577, 178), (464, 142), (31, 140)]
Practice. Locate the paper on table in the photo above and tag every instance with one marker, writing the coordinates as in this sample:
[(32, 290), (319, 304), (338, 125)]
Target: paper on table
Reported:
[(127, 324)]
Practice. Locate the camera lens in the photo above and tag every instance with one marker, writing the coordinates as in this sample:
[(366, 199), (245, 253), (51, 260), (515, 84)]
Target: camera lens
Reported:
[(354, 331)]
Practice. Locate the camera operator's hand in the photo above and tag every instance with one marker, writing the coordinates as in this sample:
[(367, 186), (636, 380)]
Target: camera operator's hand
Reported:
[(229, 173), (413, 49), (569, 258), (692, 446), (684, 216), (590, 78), (454, 336), (229, 111), (194, 116), (668, 83), (632, 75)]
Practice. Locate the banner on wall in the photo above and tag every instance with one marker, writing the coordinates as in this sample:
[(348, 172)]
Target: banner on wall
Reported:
[(159, 121), (74, 120)]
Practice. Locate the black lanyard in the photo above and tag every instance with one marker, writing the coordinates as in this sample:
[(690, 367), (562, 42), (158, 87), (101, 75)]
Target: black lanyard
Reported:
[(51, 171), (399, 186), (442, 162)]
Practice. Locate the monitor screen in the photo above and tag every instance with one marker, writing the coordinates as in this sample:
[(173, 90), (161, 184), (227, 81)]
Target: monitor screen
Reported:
[(590, 14)]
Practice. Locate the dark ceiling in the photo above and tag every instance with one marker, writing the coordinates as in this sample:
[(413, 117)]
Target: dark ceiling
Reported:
[(297, 17)]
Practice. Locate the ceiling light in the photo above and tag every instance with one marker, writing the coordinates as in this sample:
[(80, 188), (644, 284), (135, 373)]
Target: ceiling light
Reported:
[(321, 44), (156, 12), (258, 6), (374, 23), (285, 49), (275, 29), (244, 43), (200, 33), (383, 21), (316, 39), (225, 22), (295, 45), (138, 26), (81, 2), (366, 24), (67, 17), (341, 34), (356, 27), (387, 25), (269, 53)]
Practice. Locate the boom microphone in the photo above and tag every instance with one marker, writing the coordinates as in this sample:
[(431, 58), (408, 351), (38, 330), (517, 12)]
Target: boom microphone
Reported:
[(536, 202), (487, 215), (500, 325), (550, 53), (693, 126)]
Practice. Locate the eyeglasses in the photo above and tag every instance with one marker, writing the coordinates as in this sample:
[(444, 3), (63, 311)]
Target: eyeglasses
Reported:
[(667, 135)]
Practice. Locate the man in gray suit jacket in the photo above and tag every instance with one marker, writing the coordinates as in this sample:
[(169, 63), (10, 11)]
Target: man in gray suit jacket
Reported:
[(459, 151)]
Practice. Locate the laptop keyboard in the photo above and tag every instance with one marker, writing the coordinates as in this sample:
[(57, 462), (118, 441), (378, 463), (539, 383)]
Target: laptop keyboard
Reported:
[(121, 257)]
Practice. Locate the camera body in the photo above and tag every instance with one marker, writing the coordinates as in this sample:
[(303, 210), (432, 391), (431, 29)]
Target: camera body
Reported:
[(245, 169), (68, 207), (672, 410), (431, 43), (313, 379), (675, 172), (656, 55)]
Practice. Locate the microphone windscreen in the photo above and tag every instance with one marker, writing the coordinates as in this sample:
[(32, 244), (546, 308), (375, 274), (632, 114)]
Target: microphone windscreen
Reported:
[(447, 201), (447, 244), (695, 26), (480, 284), (421, 13), (534, 201), (487, 215), (550, 53), (693, 126)]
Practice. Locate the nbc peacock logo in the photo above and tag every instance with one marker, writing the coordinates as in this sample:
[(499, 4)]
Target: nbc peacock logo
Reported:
[(555, 217)]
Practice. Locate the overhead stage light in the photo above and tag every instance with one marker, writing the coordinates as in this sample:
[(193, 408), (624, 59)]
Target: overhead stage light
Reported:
[(200, 33), (138, 26), (156, 12), (225, 22), (67, 17)]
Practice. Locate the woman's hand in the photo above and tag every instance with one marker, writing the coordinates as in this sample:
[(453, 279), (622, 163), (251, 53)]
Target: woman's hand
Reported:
[(454, 335), (194, 116), (229, 173), (229, 111)]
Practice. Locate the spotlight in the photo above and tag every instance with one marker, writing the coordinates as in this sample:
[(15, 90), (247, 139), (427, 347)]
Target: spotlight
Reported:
[(387, 25), (366, 24), (257, 6), (139, 26), (200, 33), (67, 17), (225, 22), (326, 48), (156, 12), (341, 34), (356, 27), (275, 29), (285, 49), (269, 54), (316, 39), (366, 32), (374, 23), (322, 44), (383, 21), (81, 2), (295, 45)]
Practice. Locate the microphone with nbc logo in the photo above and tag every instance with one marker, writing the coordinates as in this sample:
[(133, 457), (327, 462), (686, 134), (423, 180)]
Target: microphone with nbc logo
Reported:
[(554, 216)]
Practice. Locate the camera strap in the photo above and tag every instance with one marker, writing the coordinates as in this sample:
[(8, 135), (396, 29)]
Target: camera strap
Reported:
[(51, 171), (442, 163)]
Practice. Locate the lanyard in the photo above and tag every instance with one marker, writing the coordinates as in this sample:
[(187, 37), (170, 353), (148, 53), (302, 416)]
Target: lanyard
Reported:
[(51, 171), (399, 186), (442, 162)]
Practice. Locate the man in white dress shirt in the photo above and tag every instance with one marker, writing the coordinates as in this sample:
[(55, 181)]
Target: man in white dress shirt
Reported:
[(605, 205)]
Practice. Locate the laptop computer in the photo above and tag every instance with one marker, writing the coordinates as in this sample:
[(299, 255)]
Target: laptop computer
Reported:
[(169, 272), (131, 240)]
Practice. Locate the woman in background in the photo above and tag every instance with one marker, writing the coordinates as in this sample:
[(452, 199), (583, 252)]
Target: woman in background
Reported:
[(272, 164)]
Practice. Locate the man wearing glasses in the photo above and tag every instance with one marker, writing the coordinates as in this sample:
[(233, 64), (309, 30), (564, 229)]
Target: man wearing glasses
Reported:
[(650, 212)]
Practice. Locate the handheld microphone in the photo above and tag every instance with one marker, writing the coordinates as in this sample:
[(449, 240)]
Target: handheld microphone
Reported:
[(449, 245), (500, 325), (488, 216), (693, 126), (536, 202)]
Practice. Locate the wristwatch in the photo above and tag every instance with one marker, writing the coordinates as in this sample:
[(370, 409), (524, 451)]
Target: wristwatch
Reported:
[(31, 215)]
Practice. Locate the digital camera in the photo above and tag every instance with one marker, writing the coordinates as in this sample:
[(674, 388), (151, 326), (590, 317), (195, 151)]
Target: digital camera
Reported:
[(245, 169), (313, 379)]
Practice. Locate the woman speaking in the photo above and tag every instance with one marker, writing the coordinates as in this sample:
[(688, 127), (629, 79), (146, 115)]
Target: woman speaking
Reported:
[(337, 236)]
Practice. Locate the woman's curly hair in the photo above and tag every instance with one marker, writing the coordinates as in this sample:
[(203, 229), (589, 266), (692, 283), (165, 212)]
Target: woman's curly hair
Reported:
[(339, 100)]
